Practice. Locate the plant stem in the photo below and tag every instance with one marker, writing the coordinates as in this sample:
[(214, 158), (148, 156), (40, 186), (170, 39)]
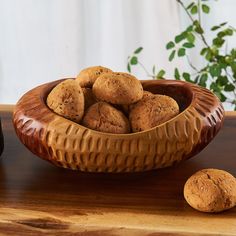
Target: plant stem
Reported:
[(199, 11), (191, 18), (146, 71), (191, 65)]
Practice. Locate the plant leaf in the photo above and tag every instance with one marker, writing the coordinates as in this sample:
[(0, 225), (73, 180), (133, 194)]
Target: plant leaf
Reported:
[(188, 45), (181, 52), (172, 55), (190, 37), (229, 32), (203, 80), (134, 60), (160, 74), (224, 23), (215, 88), (216, 27), (203, 51), (222, 97), (215, 70), (222, 80), (209, 55), (186, 76), (128, 67), (218, 42), (199, 29), (194, 9), (170, 45), (190, 28), (138, 50), (205, 8), (177, 74), (180, 37), (229, 87)]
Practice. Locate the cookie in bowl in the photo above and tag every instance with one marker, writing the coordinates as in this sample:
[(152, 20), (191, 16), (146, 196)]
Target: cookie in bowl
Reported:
[(105, 118), (118, 88), (67, 99), (128, 108), (89, 98), (88, 76), (152, 111)]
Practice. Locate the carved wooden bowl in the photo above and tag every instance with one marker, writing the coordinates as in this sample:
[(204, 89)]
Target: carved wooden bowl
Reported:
[(70, 145)]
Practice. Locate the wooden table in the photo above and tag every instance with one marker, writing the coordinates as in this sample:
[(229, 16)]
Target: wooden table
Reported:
[(37, 198)]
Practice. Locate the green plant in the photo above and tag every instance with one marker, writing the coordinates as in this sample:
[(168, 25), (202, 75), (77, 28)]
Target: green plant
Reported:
[(219, 71)]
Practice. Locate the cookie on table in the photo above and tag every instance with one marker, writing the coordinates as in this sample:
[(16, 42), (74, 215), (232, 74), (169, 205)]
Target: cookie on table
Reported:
[(88, 76), (67, 99), (152, 111), (211, 190), (105, 118), (118, 88)]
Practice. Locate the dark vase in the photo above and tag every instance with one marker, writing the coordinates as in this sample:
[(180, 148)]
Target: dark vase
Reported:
[(1, 138)]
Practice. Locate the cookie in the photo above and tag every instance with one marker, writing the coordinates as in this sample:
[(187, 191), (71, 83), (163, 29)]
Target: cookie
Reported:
[(118, 88), (89, 98), (211, 190), (67, 100), (146, 94), (103, 117), (128, 108), (152, 111), (88, 76)]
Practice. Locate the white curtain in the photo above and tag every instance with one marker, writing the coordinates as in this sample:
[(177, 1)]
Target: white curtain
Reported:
[(46, 40)]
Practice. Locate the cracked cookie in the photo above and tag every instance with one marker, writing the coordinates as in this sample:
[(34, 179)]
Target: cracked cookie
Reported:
[(67, 100), (211, 190), (152, 111), (118, 88), (103, 117), (88, 76)]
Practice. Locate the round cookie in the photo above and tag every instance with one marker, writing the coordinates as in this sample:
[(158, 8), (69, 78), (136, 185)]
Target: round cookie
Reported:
[(211, 190), (152, 111), (146, 94), (103, 117), (128, 108), (89, 98), (67, 100), (118, 88), (87, 77)]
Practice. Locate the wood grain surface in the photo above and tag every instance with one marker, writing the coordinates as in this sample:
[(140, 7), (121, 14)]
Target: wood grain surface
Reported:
[(37, 198)]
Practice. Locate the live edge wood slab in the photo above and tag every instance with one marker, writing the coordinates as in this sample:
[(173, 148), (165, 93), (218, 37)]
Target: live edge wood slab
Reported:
[(37, 198)]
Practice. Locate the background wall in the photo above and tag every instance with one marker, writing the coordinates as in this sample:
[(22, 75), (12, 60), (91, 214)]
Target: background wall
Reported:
[(46, 40)]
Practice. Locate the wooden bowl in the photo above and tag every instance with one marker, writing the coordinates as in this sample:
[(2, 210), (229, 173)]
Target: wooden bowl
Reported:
[(70, 145)]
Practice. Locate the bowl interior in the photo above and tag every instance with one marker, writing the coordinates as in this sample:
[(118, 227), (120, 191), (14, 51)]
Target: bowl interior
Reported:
[(178, 90)]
